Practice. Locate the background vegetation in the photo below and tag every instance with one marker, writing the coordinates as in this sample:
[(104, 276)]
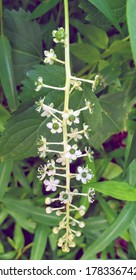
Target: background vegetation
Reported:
[(102, 42)]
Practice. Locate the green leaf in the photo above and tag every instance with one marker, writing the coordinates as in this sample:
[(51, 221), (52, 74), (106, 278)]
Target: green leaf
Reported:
[(27, 209), (39, 242), (5, 171), (85, 52), (4, 116), (132, 151), (132, 230), (105, 8), (119, 190), (43, 8), (25, 39), (120, 224), (97, 36), (131, 12), (21, 178), (7, 74), (24, 223), (112, 171), (93, 120), (18, 237), (8, 256), (114, 117)]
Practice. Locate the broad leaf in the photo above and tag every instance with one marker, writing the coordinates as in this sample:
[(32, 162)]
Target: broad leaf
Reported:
[(25, 39)]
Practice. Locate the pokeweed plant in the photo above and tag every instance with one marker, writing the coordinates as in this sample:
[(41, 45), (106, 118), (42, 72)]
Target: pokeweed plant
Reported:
[(56, 173)]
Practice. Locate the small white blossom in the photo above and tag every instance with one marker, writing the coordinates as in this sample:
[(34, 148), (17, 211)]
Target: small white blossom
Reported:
[(47, 110), (50, 56), (65, 197), (86, 130), (75, 134), (51, 184), (84, 174), (39, 105), (59, 35), (55, 126), (91, 195), (42, 149), (76, 84), (61, 159), (42, 170), (71, 116), (89, 106), (51, 168), (39, 84), (72, 152)]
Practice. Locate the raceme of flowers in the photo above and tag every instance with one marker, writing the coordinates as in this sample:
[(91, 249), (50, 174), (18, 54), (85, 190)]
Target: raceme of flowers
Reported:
[(55, 173)]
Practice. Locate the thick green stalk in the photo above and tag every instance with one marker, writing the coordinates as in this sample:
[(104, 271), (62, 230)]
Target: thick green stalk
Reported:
[(66, 107)]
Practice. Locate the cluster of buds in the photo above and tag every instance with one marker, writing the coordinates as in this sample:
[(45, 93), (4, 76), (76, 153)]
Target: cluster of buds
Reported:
[(55, 173)]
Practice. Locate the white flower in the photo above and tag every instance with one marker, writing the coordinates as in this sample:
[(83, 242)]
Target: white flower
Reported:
[(50, 56), (72, 152), (91, 195), (76, 84), (86, 130), (65, 197), (39, 84), (84, 174), (75, 134), (42, 149), (47, 110), (59, 35), (42, 170), (89, 106), (51, 184), (61, 159), (71, 116), (55, 126), (39, 104), (51, 168)]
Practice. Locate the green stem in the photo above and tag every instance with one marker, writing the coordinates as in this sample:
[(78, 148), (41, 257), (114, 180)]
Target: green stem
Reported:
[(66, 107), (1, 20)]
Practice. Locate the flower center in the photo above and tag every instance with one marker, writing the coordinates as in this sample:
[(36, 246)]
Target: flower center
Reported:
[(65, 196), (72, 151), (51, 167), (84, 174), (55, 126), (71, 118)]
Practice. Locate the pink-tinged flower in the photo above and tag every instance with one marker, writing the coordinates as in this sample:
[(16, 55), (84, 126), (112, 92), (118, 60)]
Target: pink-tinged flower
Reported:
[(47, 110), (61, 159), (51, 184)]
